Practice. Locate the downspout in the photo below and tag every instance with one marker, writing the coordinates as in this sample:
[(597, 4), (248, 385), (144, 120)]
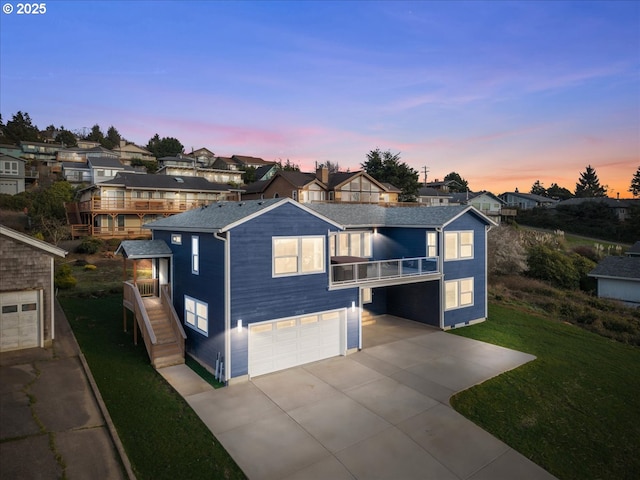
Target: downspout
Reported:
[(53, 311), (227, 304), (440, 231)]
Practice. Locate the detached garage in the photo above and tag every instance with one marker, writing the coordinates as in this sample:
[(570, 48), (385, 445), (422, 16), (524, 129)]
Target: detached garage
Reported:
[(618, 278), (26, 291)]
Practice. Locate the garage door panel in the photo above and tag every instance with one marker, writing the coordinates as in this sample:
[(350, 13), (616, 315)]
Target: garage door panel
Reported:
[(295, 341), (19, 320)]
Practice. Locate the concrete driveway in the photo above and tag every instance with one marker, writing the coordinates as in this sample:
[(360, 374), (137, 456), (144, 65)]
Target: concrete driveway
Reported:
[(380, 413)]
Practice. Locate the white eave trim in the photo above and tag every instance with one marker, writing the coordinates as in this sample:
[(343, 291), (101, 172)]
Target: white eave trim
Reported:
[(33, 242)]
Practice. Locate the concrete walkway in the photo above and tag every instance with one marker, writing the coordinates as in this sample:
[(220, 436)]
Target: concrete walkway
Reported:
[(51, 423), (382, 413)]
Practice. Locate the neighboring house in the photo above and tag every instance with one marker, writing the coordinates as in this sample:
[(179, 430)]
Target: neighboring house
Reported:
[(87, 144), (211, 174), (106, 168), (265, 285), (434, 197), (121, 206), (42, 152), (81, 155), (526, 201), (443, 185), (204, 156), (634, 251), (618, 278), (12, 150), (620, 208), (240, 162), (27, 317), (129, 151), (265, 172), (12, 174), (347, 187), (75, 172), (489, 204)]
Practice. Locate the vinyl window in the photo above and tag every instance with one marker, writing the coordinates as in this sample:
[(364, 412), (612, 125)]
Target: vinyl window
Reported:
[(196, 315), (432, 244), (195, 255), (351, 244), (298, 255), (458, 293), (458, 245)]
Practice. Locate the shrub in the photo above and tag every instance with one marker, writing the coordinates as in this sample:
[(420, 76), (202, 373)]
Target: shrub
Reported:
[(90, 245), (63, 278), (552, 266)]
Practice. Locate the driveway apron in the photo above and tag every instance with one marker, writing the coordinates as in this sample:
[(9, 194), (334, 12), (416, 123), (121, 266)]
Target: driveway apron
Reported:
[(381, 413)]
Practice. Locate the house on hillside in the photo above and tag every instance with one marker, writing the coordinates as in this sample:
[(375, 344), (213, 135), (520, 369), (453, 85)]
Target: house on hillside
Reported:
[(27, 317), (489, 204), (347, 187), (240, 162), (433, 197), (129, 151), (618, 278), (526, 201), (120, 207), (264, 285), (620, 208), (12, 174)]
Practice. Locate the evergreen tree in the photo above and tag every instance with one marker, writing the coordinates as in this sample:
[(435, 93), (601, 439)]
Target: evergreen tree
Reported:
[(558, 193), (165, 146), (20, 128), (67, 138), (461, 184), (287, 166), (112, 139), (635, 184), (387, 167), (588, 184), (538, 189), (95, 135)]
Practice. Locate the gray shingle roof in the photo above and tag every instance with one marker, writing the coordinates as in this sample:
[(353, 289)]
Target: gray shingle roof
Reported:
[(377, 216), (107, 162), (166, 182), (215, 217), (143, 249), (618, 267), (635, 249)]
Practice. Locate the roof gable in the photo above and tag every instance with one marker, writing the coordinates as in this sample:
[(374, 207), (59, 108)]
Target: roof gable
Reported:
[(31, 241)]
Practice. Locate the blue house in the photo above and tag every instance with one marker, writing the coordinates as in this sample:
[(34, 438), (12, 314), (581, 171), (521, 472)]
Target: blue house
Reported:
[(265, 285)]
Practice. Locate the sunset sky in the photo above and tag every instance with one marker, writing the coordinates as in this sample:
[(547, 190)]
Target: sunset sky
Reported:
[(503, 93)]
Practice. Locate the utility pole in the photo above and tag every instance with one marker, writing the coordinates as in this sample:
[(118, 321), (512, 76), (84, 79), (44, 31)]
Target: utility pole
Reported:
[(425, 169)]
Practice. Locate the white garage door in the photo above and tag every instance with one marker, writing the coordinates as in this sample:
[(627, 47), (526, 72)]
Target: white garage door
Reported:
[(288, 342), (9, 186), (19, 315)]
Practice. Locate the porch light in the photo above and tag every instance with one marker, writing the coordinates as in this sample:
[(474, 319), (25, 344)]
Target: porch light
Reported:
[(239, 325)]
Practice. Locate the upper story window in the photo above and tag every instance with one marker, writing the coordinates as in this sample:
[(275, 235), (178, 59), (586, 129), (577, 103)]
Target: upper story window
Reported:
[(432, 244), (195, 255), (8, 168), (458, 245), (351, 244), (298, 255)]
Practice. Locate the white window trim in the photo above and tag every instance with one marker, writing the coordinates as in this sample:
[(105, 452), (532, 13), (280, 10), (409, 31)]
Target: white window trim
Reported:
[(459, 234), (196, 317), (195, 255), (366, 243), (460, 293), (432, 248), (299, 256)]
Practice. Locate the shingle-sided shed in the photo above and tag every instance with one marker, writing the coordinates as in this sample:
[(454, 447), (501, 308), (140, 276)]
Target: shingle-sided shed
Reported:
[(26, 290)]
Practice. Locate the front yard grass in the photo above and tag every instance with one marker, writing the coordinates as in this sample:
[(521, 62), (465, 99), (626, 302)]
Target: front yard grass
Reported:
[(575, 410), (163, 437)]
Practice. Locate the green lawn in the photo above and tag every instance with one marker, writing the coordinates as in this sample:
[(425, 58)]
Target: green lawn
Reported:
[(163, 437), (575, 410)]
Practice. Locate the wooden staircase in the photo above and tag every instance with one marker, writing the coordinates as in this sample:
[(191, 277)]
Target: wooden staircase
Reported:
[(167, 349)]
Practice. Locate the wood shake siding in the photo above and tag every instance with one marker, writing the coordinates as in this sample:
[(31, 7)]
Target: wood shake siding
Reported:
[(27, 268)]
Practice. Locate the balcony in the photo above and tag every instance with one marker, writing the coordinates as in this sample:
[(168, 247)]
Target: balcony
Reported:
[(355, 271), (139, 205)]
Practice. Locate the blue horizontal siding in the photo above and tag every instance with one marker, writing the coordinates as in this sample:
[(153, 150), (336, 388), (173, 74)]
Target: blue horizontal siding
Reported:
[(475, 267), (256, 296)]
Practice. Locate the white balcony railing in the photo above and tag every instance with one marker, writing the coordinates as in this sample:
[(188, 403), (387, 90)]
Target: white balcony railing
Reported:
[(382, 270)]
